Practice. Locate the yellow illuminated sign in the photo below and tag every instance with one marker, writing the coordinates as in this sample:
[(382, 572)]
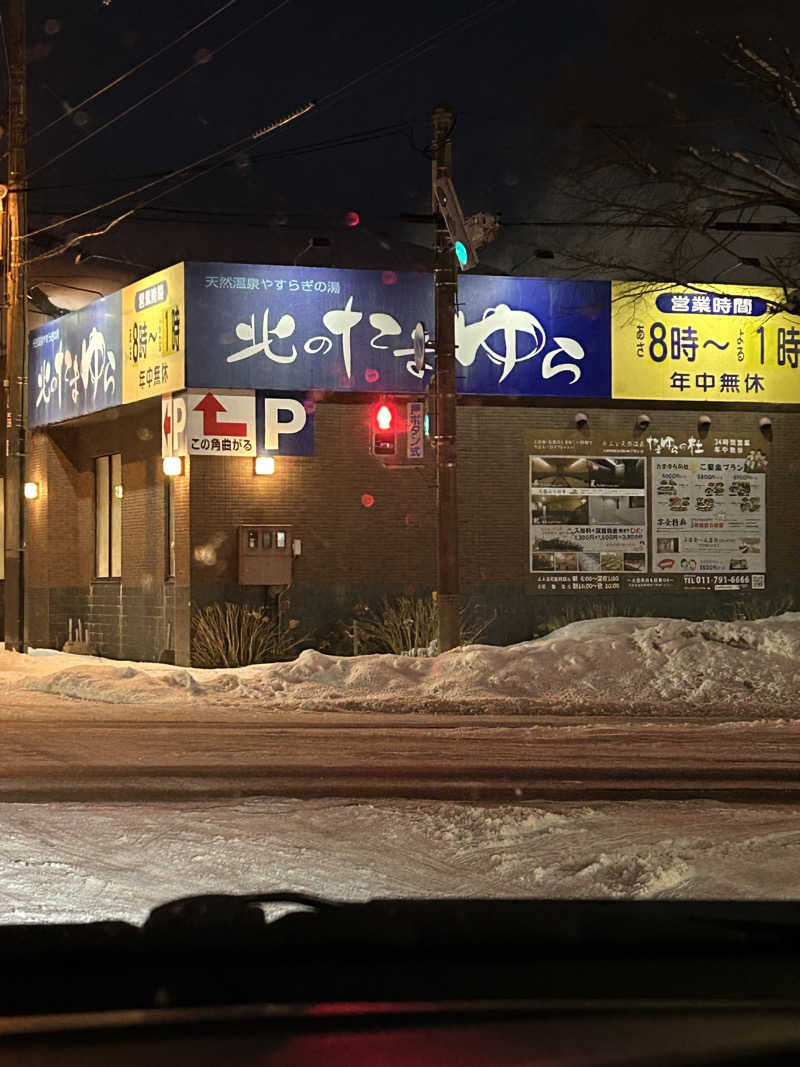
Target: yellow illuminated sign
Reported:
[(720, 343), (153, 335)]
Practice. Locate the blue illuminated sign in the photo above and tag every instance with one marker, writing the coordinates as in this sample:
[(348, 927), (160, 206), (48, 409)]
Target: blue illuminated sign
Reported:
[(285, 330), (293, 328), (74, 363), (284, 425), (533, 337), (299, 328)]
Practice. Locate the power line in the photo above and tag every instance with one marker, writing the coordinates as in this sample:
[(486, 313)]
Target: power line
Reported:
[(160, 89), (121, 78), (172, 174), (354, 138), (403, 57), (191, 177), (5, 50), (416, 50)]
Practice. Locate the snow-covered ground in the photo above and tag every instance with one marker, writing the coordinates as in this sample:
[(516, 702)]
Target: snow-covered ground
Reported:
[(616, 664), (70, 862)]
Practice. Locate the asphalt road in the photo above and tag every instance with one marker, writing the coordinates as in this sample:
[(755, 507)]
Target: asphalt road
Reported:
[(439, 757)]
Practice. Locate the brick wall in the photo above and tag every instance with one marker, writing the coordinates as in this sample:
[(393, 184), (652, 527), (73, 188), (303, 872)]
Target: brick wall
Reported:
[(130, 617), (353, 553), (350, 552)]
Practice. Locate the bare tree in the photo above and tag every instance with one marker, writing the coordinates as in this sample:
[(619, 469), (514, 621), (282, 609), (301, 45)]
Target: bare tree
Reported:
[(695, 211)]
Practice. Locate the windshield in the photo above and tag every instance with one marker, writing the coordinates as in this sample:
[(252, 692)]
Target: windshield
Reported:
[(399, 484)]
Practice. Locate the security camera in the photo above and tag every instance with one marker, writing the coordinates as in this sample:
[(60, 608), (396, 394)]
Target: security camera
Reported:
[(765, 425), (703, 425), (581, 420), (642, 423)]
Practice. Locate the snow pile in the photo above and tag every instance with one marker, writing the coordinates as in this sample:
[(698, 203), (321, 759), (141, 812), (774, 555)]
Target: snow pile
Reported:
[(615, 663)]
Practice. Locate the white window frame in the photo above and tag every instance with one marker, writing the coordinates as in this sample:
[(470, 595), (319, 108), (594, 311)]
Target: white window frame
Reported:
[(108, 516)]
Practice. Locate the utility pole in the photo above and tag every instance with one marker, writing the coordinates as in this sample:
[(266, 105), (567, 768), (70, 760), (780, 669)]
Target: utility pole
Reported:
[(445, 275), (15, 361)]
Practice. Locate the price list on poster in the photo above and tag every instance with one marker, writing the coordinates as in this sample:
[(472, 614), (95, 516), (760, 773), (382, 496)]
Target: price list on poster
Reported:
[(708, 519)]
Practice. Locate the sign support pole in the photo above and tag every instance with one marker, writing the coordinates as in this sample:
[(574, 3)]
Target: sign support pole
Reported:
[(15, 372), (445, 273)]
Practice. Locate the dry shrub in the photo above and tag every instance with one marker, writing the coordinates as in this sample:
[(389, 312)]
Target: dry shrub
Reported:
[(408, 626), (235, 635)]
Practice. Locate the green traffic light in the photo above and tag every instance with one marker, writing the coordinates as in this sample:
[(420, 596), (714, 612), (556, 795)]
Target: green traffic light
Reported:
[(461, 253)]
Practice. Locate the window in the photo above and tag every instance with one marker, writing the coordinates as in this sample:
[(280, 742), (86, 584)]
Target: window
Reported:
[(108, 516)]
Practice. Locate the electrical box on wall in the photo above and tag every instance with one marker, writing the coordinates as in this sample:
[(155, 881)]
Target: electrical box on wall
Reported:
[(265, 555)]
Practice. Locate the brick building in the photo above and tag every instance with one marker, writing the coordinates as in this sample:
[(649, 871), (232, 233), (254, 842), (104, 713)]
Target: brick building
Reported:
[(115, 542)]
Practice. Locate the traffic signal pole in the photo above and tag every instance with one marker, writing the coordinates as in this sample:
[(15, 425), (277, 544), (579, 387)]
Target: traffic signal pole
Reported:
[(14, 369), (445, 274)]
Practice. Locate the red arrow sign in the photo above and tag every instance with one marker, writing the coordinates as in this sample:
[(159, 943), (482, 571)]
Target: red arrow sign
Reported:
[(167, 424), (211, 408)]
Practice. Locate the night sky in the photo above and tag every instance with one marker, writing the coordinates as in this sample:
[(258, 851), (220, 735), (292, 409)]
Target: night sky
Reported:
[(530, 82)]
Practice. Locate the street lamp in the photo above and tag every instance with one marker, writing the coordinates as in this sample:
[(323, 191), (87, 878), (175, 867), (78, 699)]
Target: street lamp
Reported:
[(172, 466)]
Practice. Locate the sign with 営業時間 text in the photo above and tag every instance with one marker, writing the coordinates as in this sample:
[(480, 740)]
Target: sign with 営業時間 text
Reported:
[(703, 343), (153, 335)]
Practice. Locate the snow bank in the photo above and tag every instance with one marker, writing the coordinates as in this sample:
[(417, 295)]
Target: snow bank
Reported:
[(618, 663)]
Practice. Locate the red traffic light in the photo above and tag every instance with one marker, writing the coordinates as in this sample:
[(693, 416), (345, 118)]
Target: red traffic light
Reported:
[(384, 417), (384, 431)]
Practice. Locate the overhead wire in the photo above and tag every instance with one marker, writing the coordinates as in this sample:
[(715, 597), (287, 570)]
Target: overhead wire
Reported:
[(166, 177), (160, 89), (356, 137), (405, 56), (5, 46), (133, 70), (257, 135), (415, 50)]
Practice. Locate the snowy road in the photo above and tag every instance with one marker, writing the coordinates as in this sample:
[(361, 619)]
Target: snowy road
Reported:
[(373, 755), (75, 862)]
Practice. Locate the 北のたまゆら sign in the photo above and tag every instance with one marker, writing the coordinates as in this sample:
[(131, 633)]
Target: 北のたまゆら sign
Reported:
[(74, 363)]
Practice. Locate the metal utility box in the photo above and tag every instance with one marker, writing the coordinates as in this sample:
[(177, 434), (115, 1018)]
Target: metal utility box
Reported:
[(265, 555)]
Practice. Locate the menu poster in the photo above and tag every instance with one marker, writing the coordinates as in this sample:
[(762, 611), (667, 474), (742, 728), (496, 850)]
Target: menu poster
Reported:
[(588, 515), (709, 517)]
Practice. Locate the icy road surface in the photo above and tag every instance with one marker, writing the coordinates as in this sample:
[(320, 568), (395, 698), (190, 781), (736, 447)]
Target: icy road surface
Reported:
[(74, 863)]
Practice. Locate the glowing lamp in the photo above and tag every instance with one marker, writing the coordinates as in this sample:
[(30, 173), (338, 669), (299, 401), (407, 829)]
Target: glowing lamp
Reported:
[(172, 465), (265, 464)]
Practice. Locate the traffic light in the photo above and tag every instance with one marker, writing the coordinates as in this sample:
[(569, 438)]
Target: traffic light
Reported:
[(454, 221), (384, 431)]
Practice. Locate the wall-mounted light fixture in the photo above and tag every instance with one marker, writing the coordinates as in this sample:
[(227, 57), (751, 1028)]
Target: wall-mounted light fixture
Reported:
[(703, 425), (765, 425), (265, 464), (31, 490), (581, 420), (642, 423), (118, 492), (172, 466)]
